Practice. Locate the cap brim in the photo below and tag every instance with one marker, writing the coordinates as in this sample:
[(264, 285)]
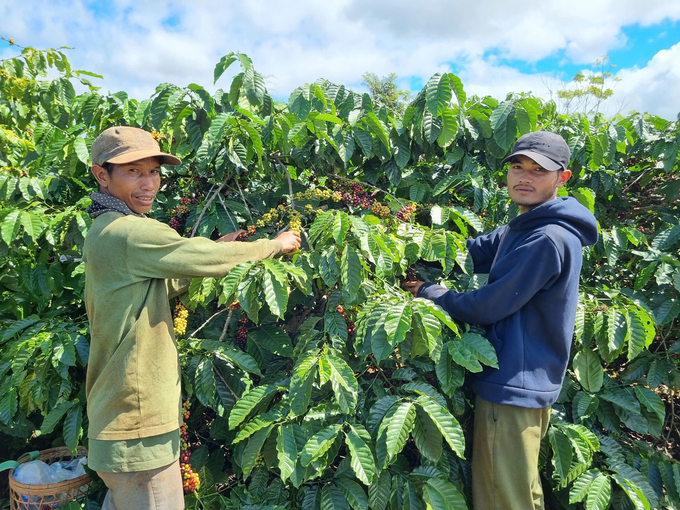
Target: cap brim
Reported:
[(542, 160), (129, 157)]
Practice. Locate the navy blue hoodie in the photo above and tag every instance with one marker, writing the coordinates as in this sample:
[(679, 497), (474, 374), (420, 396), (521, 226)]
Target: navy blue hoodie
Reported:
[(528, 304)]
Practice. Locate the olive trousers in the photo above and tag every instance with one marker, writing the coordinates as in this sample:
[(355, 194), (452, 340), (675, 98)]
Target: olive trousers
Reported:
[(505, 448), (155, 489)]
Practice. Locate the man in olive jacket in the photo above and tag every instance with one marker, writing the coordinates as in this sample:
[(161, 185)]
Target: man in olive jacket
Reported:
[(134, 265)]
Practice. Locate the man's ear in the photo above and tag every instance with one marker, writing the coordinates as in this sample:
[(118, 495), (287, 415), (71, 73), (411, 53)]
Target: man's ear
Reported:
[(564, 177), (101, 175)]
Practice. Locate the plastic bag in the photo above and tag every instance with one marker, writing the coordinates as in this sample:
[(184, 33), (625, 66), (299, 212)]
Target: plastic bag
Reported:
[(68, 470), (35, 472)]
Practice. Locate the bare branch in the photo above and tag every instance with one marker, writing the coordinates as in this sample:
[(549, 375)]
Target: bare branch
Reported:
[(252, 221), (205, 208), (226, 325), (192, 335), (226, 384), (228, 213)]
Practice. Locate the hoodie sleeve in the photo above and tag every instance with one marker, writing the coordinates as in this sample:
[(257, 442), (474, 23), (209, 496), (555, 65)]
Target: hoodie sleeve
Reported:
[(483, 249), (523, 272)]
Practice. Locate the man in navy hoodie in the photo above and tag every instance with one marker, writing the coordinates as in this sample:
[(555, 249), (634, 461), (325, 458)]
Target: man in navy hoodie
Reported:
[(528, 307)]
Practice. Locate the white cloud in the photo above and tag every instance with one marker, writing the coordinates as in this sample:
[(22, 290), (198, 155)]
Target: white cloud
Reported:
[(293, 42), (486, 79), (525, 29), (654, 88)]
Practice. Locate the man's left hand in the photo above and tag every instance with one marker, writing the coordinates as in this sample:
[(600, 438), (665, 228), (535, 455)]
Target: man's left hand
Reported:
[(230, 237), (413, 286)]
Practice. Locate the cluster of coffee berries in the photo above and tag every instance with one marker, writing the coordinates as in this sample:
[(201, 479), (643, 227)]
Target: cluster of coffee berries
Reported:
[(357, 197), (259, 461), (180, 320), (272, 215), (315, 194), (348, 321), (295, 224), (190, 480), (380, 210), (248, 233), (353, 195), (242, 332), (631, 162), (184, 435), (405, 212), (410, 275), (157, 136), (182, 211)]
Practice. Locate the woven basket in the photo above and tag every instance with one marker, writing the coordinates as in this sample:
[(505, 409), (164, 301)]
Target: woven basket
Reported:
[(45, 497)]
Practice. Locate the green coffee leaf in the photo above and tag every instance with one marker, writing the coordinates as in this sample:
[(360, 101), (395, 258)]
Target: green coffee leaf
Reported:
[(252, 450), (470, 349), (562, 452), (427, 437), (344, 383), (354, 493), (588, 369), (361, 457), (287, 450), (445, 422), (399, 427), (319, 444), (440, 494), (248, 402)]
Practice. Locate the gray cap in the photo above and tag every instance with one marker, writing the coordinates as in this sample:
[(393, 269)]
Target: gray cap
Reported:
[(547, 149), (125, 144)]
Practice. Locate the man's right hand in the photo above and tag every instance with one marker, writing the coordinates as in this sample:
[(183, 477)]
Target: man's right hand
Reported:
[(290, 241), (412, 286)]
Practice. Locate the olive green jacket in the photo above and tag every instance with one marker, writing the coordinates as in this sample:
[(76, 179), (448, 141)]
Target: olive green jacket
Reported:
[(133, 266)]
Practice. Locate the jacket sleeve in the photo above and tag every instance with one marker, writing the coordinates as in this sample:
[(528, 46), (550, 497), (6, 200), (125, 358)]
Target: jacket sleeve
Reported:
[(523, 272), (483, 249), (154, 250)]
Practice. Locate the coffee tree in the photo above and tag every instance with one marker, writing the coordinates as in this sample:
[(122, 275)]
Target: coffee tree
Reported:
[(316, 382)]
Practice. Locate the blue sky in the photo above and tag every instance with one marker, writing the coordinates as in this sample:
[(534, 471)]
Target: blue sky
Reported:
[(495, 46), (642, 43)]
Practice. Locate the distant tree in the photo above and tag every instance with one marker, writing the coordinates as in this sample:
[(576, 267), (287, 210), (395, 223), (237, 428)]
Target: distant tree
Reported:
[(589, 92), (385, 91)]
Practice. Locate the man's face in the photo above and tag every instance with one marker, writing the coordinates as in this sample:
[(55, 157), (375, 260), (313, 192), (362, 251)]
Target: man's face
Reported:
[(530, 185), (134, 183)]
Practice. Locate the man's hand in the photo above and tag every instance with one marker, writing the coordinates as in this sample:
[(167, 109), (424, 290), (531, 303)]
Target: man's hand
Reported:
[(290, 240), (413, 286), (230, 237)]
